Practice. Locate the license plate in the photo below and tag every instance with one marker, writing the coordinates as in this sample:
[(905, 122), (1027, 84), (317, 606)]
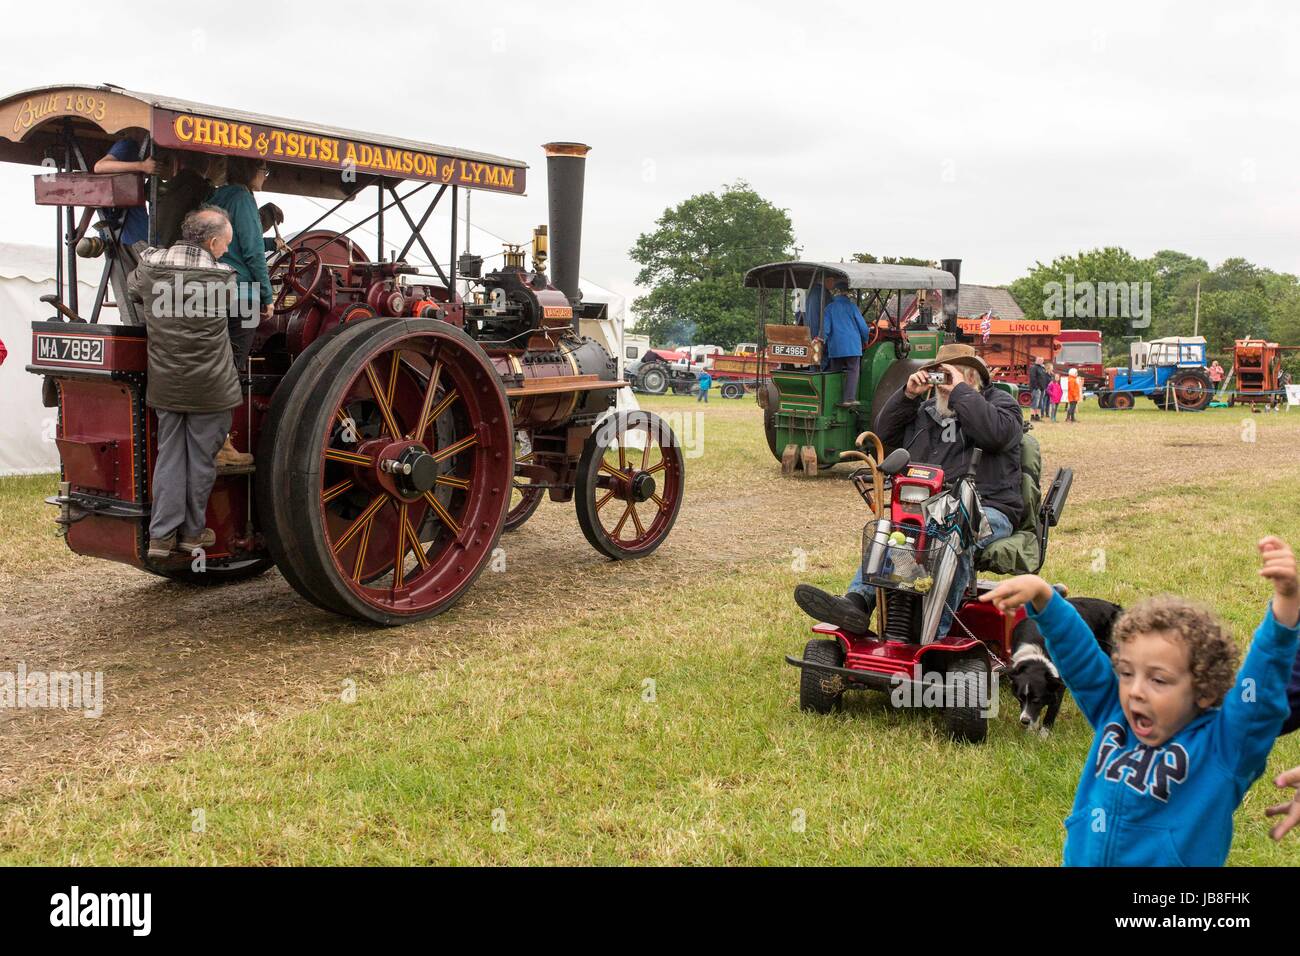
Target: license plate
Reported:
[(70, 349), (793, 351)]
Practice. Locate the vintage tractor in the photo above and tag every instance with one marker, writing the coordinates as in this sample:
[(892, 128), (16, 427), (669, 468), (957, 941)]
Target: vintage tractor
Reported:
[(399, 425), (806, 426), (1171, 372)]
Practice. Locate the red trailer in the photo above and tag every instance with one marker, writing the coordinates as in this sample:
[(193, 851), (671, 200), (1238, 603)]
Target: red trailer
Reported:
[(735, 372)]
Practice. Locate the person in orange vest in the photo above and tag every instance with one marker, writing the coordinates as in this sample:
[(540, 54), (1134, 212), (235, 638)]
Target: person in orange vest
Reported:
[(1073, 394)]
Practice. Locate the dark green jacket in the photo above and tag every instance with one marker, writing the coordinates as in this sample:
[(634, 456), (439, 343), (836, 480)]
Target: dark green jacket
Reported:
[(247, 252), (186, 305)]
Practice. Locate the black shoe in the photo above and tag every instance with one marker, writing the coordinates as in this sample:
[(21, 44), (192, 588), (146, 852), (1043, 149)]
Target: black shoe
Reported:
[(849, 612)]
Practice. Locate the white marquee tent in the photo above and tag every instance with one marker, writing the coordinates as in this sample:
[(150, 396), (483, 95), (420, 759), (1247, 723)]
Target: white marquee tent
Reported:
[(26, 426)]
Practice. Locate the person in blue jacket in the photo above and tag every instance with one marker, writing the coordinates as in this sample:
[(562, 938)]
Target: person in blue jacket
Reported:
[(127, 155), (706, 383), (813, 311), (1177, 743), (846, 334), (247, 252)]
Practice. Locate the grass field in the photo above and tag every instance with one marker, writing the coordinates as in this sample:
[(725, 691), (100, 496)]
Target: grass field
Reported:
[(659, 724)]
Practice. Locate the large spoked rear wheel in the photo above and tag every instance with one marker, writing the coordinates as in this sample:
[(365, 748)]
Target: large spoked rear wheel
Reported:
[(630, 481), (398, 472), (524, 499), (1193, 390), (275, 450), (654, 381)]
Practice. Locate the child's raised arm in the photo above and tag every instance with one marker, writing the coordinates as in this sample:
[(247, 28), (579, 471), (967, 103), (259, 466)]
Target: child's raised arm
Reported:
[(1280, 568), (1083, 665), (1255, 708)]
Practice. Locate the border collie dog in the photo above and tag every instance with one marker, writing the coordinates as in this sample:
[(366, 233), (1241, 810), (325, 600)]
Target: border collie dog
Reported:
[(1034, 678)]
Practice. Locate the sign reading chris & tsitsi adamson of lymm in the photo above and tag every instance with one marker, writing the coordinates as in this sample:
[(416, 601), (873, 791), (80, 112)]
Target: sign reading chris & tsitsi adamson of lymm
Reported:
[(191, 131)]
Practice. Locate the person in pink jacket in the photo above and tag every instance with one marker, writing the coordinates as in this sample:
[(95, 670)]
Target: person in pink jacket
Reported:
[(1054, 395)]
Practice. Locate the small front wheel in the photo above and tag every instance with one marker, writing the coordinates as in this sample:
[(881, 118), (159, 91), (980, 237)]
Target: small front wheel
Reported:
[(631, 477), (820, 692), (966, 689)]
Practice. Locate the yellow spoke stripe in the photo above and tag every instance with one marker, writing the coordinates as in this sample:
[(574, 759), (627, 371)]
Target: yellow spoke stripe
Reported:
[(389, 422), (360, 562), (362, 519), (332, 492), (444, 453), (348, 457), (409, 533), (442, 513)]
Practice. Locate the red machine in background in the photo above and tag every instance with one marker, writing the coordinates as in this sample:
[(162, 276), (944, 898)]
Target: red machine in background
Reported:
[(398, 426), (1081, 349), (1257, 372), (1011, 346)]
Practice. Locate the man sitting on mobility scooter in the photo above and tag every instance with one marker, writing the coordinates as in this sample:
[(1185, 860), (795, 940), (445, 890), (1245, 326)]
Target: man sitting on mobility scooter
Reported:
[(962, 414)]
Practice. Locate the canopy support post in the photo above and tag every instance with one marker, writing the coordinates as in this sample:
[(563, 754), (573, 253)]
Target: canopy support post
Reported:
[(417, 230), (379, 195), (451, 263)]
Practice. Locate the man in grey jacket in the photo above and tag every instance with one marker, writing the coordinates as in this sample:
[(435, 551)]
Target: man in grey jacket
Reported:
[(186, 297)]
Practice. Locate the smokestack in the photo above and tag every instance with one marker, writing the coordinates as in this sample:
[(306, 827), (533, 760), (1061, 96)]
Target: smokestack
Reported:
[(951, 299), (566, 164)]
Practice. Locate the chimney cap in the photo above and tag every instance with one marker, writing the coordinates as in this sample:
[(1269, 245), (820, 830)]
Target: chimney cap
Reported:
[(566, 149)]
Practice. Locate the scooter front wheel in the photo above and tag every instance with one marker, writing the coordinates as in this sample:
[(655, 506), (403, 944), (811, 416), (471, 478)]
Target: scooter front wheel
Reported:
[(966, 683)]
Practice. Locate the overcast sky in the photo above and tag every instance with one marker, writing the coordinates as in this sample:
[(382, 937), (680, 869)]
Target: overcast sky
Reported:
[(995, 133)]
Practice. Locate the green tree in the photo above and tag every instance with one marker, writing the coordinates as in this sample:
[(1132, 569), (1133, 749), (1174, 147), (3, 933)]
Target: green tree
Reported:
[(1174, 288), (695, 262), (1071, 288), (1238, 299), (894, 260)]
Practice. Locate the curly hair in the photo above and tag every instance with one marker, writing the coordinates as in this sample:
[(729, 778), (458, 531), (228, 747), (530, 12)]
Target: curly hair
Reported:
[(1210, 647)]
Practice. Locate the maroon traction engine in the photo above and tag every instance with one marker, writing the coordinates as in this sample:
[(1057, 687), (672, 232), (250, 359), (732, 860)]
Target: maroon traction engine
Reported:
[(399, 427)]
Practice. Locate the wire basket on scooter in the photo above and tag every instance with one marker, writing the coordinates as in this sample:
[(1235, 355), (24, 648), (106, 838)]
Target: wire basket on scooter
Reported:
[(906, 567)]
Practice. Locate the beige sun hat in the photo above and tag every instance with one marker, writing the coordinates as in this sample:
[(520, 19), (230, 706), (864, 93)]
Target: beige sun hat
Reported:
[(954, 354)]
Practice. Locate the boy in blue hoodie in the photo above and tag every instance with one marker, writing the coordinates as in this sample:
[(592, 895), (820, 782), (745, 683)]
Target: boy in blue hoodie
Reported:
[(1177, 743)]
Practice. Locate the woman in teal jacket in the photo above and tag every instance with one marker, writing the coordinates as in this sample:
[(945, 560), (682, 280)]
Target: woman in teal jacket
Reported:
[(247, 252)]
